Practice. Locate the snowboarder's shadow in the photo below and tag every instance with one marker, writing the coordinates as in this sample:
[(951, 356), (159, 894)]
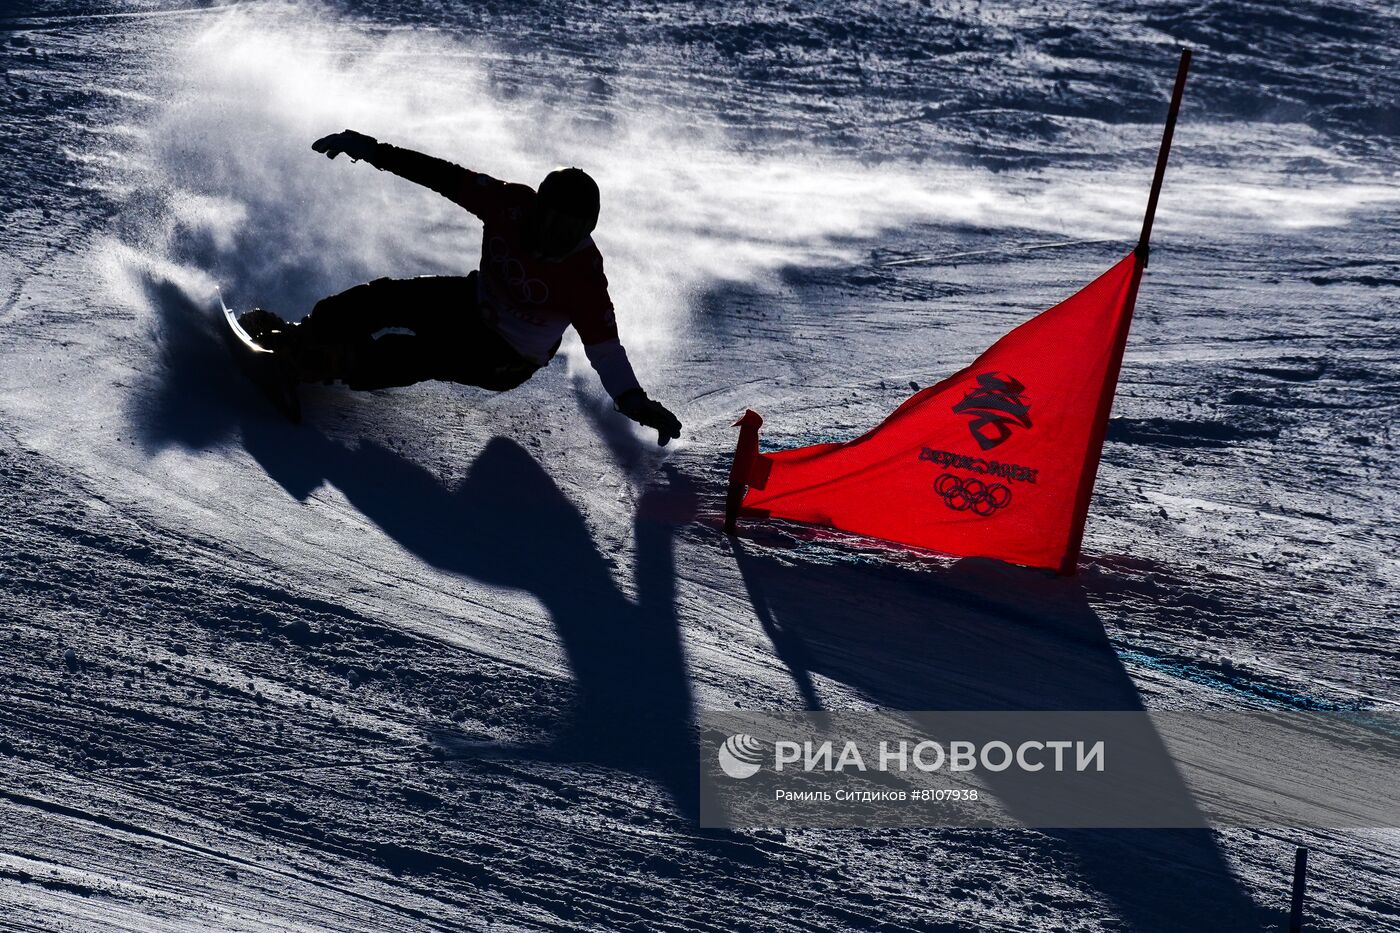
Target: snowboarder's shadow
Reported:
[(507, 524), (984, 636)]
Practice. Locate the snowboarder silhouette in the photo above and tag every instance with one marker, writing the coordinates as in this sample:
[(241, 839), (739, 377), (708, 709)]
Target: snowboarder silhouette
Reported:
[(540, 272)]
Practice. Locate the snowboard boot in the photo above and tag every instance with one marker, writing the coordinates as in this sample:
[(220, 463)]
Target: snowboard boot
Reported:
[(310, 360), (267, 329)]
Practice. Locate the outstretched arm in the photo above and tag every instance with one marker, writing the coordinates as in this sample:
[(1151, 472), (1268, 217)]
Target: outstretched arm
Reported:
[(448, 179)]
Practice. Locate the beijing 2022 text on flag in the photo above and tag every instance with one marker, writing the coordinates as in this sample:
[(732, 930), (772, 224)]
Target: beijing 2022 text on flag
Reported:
[(997, 460)]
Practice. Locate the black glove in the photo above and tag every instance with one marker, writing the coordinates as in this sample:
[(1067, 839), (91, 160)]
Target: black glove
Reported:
[(634, 404), (356, 145)]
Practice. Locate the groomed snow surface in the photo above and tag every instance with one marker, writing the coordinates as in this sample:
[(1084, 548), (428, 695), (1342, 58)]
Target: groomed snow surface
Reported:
[(432, 659)]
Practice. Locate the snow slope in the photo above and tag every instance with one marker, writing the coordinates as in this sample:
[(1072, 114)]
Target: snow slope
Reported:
[(432, 659)]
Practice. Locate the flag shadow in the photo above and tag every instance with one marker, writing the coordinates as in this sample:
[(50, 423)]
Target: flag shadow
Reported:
[(982, 635)]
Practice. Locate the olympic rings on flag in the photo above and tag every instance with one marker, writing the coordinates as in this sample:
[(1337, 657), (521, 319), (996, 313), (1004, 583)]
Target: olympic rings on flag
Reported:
[(962, 495)]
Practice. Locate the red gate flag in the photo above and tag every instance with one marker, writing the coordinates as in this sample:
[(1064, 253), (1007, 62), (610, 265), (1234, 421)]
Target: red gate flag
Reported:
[(997, 460)]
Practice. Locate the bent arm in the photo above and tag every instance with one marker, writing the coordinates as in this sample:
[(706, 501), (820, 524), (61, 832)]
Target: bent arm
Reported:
[(597, 326), (609, 361)]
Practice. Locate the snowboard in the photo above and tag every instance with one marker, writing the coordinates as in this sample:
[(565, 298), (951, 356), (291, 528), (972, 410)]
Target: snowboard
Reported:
[(270, 371)]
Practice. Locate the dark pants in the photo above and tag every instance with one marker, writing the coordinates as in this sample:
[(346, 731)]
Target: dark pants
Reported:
[(449, 341)]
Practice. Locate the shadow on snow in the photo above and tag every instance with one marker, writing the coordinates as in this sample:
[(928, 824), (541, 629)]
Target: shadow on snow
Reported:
[(505, 524), (980, 635), (977, 636)]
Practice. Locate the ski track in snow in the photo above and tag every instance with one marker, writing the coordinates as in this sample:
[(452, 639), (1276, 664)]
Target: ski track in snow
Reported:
[(427, 663)]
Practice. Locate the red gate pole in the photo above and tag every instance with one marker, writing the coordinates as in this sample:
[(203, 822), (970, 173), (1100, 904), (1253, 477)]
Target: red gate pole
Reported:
[(1162, 153), (1070, 564), (744, 455)]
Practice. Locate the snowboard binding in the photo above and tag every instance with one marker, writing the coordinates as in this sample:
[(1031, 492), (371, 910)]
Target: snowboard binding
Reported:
[(307, 360), (268, 330)]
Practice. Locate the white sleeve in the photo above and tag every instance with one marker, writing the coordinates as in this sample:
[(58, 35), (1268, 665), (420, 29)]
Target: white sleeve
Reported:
[(610, 360)]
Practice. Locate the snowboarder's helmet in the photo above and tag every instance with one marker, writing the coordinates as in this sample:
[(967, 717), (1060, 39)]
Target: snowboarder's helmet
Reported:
[(571, 191)]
